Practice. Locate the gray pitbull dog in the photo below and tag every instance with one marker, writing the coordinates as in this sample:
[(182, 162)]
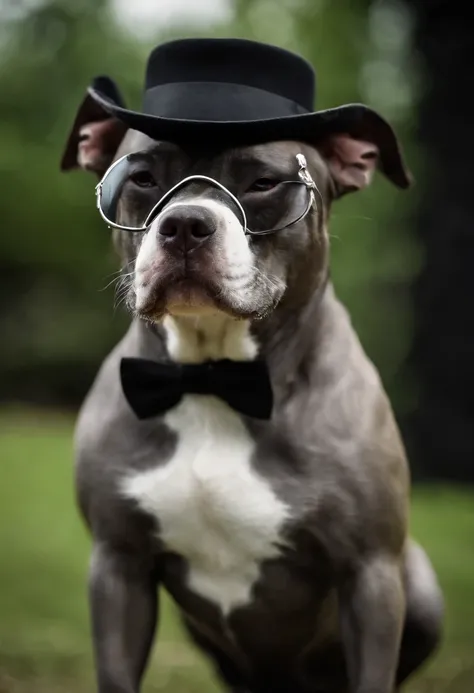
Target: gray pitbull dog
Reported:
[(284, 543)]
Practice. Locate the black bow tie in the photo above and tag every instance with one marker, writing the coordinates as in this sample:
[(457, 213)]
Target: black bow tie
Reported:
[(152, 388)]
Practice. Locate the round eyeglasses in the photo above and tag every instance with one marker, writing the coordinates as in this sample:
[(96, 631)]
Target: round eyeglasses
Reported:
[(295, 200)]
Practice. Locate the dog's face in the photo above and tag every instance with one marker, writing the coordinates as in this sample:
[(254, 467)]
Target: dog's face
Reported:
[(195, 257)]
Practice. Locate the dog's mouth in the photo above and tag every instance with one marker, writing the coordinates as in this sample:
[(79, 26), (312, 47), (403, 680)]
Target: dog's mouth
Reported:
[(184, 294), (188, 296), (202, 285)]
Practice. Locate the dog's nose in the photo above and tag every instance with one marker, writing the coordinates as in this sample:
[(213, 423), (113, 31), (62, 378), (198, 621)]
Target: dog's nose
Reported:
[(186, 227)]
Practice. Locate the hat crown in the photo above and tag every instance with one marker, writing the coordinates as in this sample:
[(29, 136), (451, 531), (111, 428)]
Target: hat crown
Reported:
[(233, 61)]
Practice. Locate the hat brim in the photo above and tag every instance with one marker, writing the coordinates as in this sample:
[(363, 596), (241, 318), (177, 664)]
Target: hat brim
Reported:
[(356, 120)]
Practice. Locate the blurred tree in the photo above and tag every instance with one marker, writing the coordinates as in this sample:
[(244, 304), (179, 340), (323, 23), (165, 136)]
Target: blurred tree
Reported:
[(54, 252), (441, 430)]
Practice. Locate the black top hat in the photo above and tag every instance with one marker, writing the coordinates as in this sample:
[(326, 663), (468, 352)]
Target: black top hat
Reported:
[(235, 91)]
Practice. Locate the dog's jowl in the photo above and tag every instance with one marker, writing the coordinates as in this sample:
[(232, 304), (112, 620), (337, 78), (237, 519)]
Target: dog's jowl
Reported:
[(237, 448)]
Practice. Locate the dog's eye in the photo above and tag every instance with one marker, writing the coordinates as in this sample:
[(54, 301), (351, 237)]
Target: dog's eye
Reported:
[(263, 184), (143, 179)]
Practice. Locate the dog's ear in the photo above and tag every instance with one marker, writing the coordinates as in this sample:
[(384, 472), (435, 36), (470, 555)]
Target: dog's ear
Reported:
[(94, 137), (353, 155)]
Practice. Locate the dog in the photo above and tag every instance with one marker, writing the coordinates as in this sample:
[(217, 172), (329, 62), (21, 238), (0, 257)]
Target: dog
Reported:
[(281, 536)]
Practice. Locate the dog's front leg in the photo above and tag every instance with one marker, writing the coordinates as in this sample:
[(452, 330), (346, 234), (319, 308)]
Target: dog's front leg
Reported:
[(372, 611), (123, 602)]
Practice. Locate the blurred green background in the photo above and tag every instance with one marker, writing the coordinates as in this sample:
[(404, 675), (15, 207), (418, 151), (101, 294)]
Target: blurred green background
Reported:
[(401, 263)]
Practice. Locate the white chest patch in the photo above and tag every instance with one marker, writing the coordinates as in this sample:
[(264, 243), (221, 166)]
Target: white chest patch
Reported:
[(212, 507)]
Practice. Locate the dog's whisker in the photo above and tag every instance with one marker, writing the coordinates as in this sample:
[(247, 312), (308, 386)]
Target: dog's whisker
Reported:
[(110, 283), (122, 290), (118, 276), (121, 270)]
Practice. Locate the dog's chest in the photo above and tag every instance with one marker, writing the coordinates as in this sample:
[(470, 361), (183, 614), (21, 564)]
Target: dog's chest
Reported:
[(212, 506)]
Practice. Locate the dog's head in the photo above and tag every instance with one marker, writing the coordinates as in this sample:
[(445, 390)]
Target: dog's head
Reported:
[(196, 257)]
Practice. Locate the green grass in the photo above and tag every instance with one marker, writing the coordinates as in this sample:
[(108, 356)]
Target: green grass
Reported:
[(44, 636)]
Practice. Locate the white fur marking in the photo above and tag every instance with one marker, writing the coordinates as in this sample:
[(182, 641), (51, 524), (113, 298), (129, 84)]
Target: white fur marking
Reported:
[(197, 339), (212, 507), (232, 256), (233, 242), (148, 253)]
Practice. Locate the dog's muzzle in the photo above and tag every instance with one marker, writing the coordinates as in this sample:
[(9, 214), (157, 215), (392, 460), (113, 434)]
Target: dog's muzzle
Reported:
[(299, 199)]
